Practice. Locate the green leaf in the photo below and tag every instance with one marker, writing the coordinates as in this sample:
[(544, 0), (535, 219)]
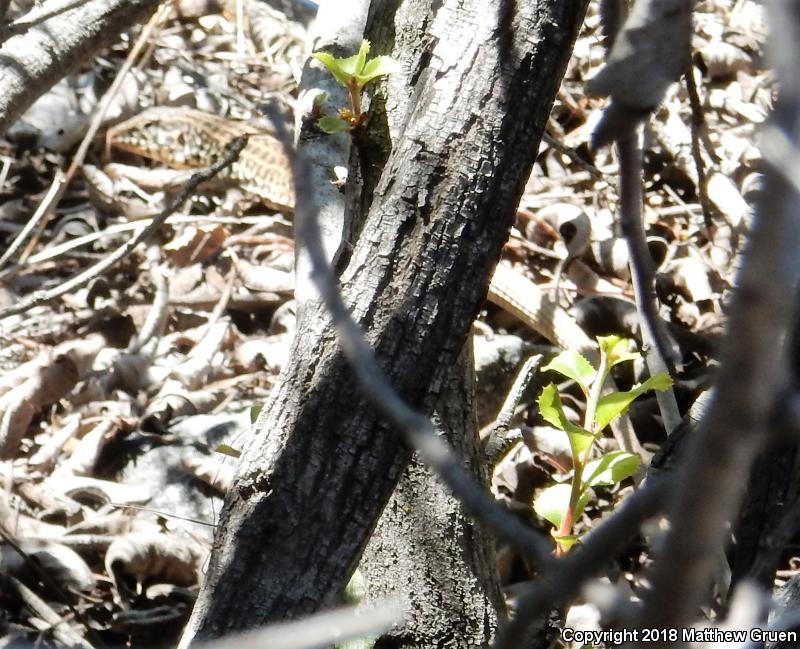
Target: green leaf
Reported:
[(552, 503), (377, 67), (616, 349), (361, 58), (255, 411), (334, 66), (610, 468), (553, 412), (352, 66), (574, 366), (357, 67), (355, 593), (319, 100), (616, 403), (224, 449), (330, 124)]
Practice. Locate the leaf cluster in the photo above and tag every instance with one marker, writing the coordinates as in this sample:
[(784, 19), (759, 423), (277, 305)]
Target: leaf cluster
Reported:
[(563, 503), (353, 72)]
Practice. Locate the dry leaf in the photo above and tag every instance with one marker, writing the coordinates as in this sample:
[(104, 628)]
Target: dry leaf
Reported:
[(196, 244), (153, 557)]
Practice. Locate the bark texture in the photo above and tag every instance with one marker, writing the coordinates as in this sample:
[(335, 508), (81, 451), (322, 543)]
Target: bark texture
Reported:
[(427, 552), (321, 465), (771, 493), (34, 60)]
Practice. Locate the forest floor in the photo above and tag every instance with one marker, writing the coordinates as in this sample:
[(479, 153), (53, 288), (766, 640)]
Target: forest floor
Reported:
[(123, 400)]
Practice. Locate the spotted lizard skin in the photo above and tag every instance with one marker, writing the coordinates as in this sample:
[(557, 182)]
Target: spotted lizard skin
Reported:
[(184, 138)]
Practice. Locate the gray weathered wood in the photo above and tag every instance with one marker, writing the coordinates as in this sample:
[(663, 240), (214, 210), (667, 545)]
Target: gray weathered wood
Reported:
[(33, 61), (427, 552)]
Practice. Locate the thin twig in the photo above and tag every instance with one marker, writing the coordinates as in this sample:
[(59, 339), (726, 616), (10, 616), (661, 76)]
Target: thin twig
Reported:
[(52, 195), (655, 337), (319, 630), (46, 579), (38, 298), (153, 326), (61, 631), (7, 162), (36, 16), (499, 441), (697, 125), (572, 154), (521, 383), (417, 428), (56, 251)]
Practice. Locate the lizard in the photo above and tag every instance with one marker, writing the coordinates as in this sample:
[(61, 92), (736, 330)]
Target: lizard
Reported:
[(185, 138)]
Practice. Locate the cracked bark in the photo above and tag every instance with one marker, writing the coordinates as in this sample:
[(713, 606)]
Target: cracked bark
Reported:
[(427, 552)]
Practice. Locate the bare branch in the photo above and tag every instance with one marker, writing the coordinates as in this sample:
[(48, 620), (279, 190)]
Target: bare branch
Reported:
[(32, 63), (753, 372), (659, 346), (315, 630), (650, 52), (562, 582)]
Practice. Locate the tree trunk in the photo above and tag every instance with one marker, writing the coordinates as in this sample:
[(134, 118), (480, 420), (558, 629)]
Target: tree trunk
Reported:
[(322, 465), (427, 552)]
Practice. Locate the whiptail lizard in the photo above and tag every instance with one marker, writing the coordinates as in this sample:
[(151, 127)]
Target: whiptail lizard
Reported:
[(183, 138), (186, 138)]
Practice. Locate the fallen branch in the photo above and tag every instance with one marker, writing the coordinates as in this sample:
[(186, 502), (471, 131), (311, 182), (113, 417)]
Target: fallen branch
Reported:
[(35, 61)]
